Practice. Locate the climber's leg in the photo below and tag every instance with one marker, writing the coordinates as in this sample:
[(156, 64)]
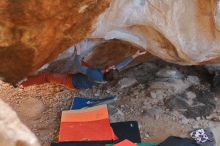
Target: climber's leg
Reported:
[(61, 79), (35, 80)]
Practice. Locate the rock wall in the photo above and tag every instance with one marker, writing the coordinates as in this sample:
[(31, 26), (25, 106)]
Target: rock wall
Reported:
[(178, 31), (12, 131), (34, 32), (111, 52)]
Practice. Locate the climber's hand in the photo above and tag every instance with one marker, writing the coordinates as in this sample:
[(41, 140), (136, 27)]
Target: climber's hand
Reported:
[(21, 86), (139, 53), (77, 49), (110, 68), (20, 83)]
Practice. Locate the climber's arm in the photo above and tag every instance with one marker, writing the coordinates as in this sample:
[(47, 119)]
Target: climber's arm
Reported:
[(77, 61), (128, 60), (124, 63)]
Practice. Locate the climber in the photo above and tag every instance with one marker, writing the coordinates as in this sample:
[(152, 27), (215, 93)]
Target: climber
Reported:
[(87, 77)]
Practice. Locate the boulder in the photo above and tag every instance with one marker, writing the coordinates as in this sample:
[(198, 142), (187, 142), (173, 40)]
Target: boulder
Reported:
[(34, 32), (184, 32), (12, 131)]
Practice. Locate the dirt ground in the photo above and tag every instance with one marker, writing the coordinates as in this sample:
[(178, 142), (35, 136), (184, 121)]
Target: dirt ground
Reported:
[(165, 99)]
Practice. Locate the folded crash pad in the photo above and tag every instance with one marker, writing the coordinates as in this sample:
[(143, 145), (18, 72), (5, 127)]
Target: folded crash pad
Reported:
[(83, 143), (91, 124), (125, 143), (127, 130), (123, 130)]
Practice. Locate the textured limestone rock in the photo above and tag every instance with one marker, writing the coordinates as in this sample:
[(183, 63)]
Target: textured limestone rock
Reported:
[(98, 53), (12, 131), (178, 31), (33, 32), (112, 52)]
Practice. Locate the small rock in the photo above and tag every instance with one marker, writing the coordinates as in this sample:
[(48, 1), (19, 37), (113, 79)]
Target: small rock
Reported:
[(156, 117), (195, 126), (198, 118), (169, 73), (167, 110), (146, 135), (184, 121), (127, 82), (140, 125), (175, 114), (191, 95), (97, 94), (193, 80), (37, 108), (108, 91), (213, 117), (153, 113), (116, 115), (153, 94), (158, 94)]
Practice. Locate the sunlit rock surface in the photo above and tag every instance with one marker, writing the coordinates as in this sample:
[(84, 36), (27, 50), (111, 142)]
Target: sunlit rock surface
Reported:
[(34, 32), (98, 53), (12, 131), (178, 31)]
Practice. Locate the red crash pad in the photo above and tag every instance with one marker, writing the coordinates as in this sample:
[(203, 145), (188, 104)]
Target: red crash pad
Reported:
[(91, 124)]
